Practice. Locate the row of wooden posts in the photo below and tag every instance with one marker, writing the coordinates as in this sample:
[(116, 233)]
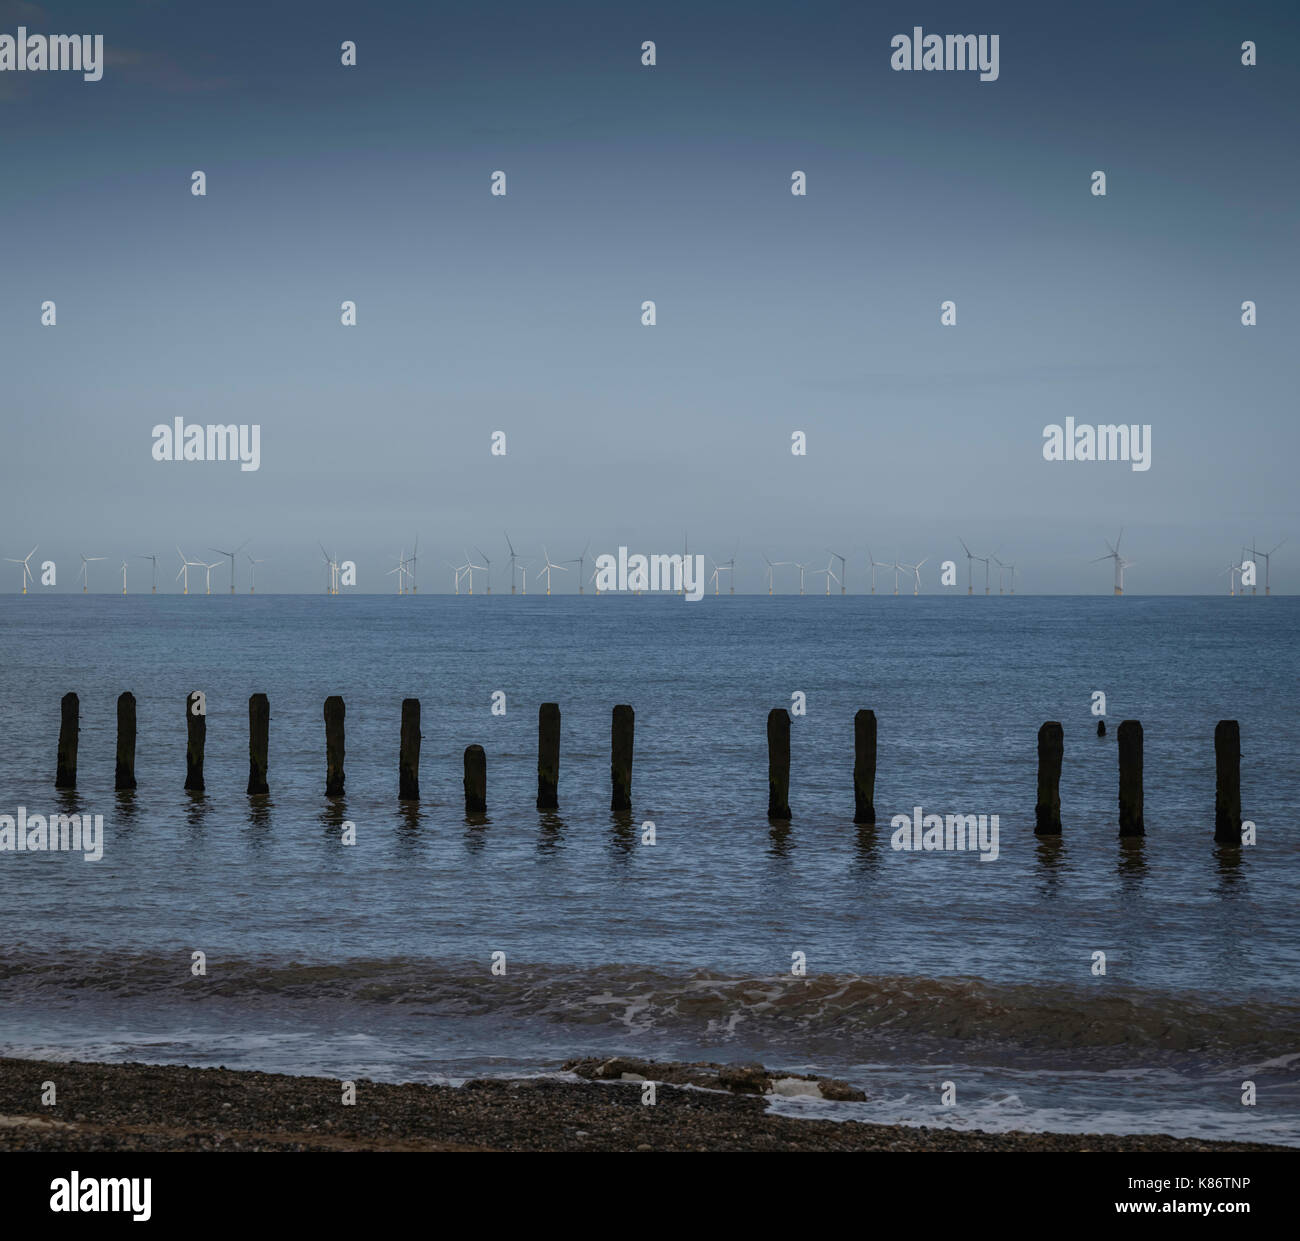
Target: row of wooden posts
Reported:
[(408, 763), (1047, 810)]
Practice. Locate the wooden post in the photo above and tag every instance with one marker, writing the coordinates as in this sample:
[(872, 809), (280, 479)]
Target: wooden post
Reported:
[(1101, 728), (408, 763), (196, 732), (1051, 749), (620, 757), (548, 756), (259, 738), (124, 774), (864, 767), (1227, 782), (65, 772), (334, 713), (778, 763), (475, 780), (1129, 744)]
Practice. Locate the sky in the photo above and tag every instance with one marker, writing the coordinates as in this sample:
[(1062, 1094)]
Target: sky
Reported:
[(775, 313)]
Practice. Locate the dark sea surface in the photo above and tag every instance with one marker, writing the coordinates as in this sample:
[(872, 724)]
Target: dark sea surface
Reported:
[(375, 959)]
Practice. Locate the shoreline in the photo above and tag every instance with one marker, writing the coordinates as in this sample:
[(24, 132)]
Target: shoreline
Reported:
[(139, 1107)]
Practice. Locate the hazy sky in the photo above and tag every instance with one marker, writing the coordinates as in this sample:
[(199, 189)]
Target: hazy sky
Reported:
[(775, 313)]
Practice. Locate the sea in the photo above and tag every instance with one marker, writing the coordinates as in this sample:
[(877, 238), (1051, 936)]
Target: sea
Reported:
[(1077, 984)]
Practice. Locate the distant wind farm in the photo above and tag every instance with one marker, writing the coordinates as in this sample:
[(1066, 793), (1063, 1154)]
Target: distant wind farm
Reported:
[(471, 573)]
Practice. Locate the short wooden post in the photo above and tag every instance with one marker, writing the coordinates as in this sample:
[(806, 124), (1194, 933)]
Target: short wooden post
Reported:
[(778, 763), (259, 740), (408, 762), (475, 780), (196, 733), (864, 767), (334, 713), (1227, 782), (548, 756), (1129, 744), (124, 773), (620, 757), (1101, 728), (65, 772), (1051, 749)]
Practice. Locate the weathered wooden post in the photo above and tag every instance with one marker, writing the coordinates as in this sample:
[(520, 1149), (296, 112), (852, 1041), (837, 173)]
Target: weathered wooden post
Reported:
[(1227, 782), (1129, 743), (334, 713), (548, 756), (124, 773), (620, 757), (475, 780), (196, 732), (259, 739), (65, 772), (1051, 749), (778, 763), (864, 767), (408, 762), (1101, 728)]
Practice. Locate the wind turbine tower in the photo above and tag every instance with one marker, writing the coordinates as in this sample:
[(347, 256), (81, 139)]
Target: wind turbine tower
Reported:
[(154, 558), (547, 569), (27, 572), (1120, 563), (232, 555), (843, 579), (85, 572)]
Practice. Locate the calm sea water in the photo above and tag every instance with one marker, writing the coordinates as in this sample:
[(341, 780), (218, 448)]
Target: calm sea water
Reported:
[(375, 959)]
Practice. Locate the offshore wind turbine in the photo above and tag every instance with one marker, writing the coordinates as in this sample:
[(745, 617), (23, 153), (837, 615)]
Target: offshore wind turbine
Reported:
[(915, 570), (154, 558), (124, 577), (457, 570), (1232, 572), (1120, 563), (184, 570), (801, 568), (970, 557), (400, 570), (252, 569), (85, 571), (1265, 555), (216, 564), (844, 572), (897, 568), (514, 558), (410, 573), (580, 561), (331, 568), (829, 572), (875, 564), (772, 567), (27, 572), (547, 567), (1002, 568), (232, 555), (470, 566)]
